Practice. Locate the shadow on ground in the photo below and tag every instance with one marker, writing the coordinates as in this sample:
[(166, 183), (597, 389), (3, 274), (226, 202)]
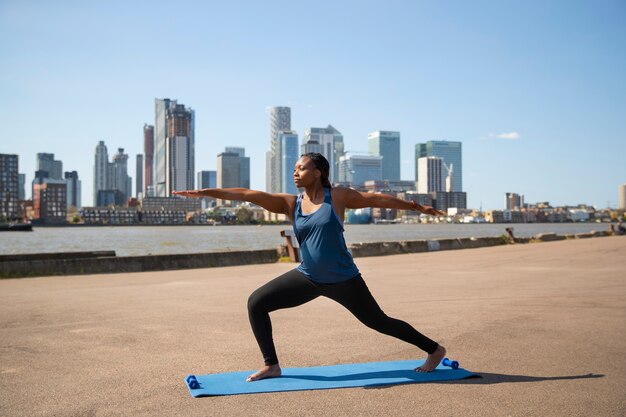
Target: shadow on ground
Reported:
[(485, 378)]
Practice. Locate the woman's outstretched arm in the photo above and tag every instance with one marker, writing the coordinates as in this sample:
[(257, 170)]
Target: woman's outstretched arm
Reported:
[(276, 203), (356, 199)]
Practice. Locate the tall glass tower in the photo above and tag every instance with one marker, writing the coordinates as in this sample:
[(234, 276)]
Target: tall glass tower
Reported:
[(387, 145), (354, 170), (288, 156), (430, 170), (174, 147), (148, 151), (100, 171), (450, 152), (329, 142), (54, 168), (280, 120)]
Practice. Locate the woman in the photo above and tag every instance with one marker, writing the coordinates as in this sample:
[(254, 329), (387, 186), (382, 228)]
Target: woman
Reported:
[(327, 268)]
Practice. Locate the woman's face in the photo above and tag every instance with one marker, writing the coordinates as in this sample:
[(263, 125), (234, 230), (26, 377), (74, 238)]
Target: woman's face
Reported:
[(305, 173)]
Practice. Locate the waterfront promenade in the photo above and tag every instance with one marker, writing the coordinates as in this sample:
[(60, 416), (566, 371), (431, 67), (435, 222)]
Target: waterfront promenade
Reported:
[(544, 324)]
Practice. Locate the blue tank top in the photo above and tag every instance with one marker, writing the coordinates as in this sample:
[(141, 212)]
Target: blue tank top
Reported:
[(323, 250)]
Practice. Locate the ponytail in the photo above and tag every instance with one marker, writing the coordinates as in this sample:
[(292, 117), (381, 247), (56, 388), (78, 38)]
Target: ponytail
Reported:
[(322, 164)]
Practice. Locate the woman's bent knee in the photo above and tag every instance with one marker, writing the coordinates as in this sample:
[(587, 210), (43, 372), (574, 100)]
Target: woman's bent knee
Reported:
[(255, 301)]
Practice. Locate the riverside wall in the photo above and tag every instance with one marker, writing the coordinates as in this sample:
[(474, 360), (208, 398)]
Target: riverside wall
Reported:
[(105, 262)]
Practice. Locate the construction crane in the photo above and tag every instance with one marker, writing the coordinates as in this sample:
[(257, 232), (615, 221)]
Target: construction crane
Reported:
[(449, 180)]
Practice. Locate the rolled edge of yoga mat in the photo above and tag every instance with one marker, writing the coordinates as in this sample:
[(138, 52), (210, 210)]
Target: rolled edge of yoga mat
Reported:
[(451, 364), (192, 382)]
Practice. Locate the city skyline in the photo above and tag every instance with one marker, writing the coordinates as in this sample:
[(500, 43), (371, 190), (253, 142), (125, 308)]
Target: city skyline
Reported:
[(531, 90)]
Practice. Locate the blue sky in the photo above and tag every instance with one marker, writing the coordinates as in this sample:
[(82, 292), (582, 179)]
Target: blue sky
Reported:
[(535, 90)]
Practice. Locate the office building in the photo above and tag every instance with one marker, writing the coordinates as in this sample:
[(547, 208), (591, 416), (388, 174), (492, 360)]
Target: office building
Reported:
[(450, 152), (119, 179), (311, 146), (110, 177), (228, 170), (244, 165), (329, 142), (50, 201), (269, 158), (73, 189), (148, 152), (100, 170), (207, 179), (107, 198), (513, 201), (139, 170), (22, 187), (9, 187), (430, 171), (389, 187), (355, 170), (171, 204), (443, 200), (54, 168), (174, 148), (622, 196), (288, 156), (386, 144), (280, 120)]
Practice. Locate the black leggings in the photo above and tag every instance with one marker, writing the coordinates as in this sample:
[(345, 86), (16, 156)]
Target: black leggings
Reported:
[(294, 288)]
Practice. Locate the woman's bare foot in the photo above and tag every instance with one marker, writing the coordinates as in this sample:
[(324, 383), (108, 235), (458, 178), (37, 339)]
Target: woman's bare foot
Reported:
[(433, 360), (268, 371)]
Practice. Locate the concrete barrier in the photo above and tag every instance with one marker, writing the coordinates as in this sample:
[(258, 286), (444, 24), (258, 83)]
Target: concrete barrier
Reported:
[(359, 250), (56, 255), (107, 265), (105, 262), (548, 237)]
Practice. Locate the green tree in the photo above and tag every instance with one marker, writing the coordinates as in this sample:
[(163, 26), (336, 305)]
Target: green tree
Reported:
[(244, 216)]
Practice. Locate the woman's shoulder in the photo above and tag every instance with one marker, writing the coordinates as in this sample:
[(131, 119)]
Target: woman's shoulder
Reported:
[(339, 193)]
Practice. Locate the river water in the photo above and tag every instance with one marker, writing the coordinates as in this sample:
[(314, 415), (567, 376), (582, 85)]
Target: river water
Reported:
[(143, 240)]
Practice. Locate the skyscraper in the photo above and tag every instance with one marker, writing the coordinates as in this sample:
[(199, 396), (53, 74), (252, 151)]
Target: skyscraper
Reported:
[(288, 156), (244, 165), (119, 179), (513, 201), (329, 142), (139, 169), (22, 187), (280, 120), (100, 171), (622, 196), (386, 144), (310, 146), (228, 170), (111, 177), (451, 152), (54, 168), (73, 189), (174, 149), (431, 176), (9, 185), (148, 151), (356, 169), (207, 179)]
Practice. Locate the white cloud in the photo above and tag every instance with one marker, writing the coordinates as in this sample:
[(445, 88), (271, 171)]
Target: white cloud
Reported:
[(506, 135)]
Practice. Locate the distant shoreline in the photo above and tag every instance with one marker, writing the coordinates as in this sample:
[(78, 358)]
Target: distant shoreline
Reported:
[(76, 225)]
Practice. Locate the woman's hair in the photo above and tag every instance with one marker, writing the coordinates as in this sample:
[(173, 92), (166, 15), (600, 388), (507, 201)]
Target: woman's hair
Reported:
[(322, 164)]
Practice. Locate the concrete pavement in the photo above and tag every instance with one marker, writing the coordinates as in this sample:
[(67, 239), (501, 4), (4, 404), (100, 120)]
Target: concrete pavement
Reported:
[(544, 324)]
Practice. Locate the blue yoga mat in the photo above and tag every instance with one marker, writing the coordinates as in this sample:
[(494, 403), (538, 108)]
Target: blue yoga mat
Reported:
[(322, 377)]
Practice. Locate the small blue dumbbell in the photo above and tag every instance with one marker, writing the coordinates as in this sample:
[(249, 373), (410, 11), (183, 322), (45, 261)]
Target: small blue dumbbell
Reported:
[(192, 382), (451, 364)]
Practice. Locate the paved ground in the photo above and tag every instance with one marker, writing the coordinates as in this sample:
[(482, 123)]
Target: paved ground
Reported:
[(544, 324)]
